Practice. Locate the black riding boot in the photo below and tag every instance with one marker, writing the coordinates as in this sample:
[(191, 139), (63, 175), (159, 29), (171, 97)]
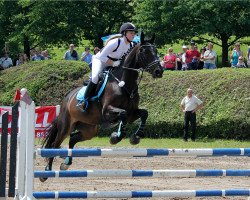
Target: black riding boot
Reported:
[(89, 92)]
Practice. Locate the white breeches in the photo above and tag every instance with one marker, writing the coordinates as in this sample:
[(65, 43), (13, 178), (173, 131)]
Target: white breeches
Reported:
[(97, 68)]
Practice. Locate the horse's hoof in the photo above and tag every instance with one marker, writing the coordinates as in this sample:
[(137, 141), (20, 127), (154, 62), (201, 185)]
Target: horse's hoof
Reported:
[(43, 179), (114, 139), (64, 166), (134, 140)]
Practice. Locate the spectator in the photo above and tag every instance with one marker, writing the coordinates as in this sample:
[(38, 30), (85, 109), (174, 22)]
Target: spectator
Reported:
[(209, 57), (248, 57), (87, 56), (189, 105), (183, 58), (5, 61), (96, 50), (71, 54), (201, 61), (46, 55), (170, 60), (32, 53), (235, 55), (178, 61), (22, 58), (192, 57), (241, 63), (37, 55)]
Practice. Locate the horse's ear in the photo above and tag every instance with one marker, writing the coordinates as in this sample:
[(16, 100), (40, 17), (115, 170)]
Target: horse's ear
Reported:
[(142, 38), (153, 38)]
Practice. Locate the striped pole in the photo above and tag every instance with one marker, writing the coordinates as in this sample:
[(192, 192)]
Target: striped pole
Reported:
[(143, 152), (142, 194), (141, 173)]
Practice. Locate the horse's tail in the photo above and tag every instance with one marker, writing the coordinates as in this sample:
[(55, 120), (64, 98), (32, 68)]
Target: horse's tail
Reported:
[(51, 134)]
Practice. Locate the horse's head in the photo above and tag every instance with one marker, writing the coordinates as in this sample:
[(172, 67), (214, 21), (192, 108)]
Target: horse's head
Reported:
[(147, 57)]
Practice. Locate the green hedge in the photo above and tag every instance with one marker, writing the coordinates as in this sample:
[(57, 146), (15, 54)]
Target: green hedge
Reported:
[(225, 92)]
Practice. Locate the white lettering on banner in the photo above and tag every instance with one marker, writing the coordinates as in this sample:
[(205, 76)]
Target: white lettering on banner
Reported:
[(45, 119), (37, 125), (41, 134)]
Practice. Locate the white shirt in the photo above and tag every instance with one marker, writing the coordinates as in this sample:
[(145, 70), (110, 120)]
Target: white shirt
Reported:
[(209, 53), (190, 103), (110, 47), (6, 62)]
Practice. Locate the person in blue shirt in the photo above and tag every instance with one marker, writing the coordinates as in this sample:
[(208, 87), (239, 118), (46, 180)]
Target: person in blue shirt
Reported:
[(37, 55), (87, 56), (71, 54), (235, 55)]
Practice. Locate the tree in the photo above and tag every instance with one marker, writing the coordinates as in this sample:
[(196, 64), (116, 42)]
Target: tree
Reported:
[(224, 21), (42, 23)]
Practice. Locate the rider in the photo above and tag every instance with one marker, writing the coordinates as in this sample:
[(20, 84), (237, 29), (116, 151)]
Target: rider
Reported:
[(110, 55)]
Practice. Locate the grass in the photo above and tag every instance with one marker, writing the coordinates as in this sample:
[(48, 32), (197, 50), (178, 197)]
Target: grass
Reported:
[(225, 93), (164, 143)]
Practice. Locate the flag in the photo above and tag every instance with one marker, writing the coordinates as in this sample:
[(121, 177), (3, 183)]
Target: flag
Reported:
[(26, 98)]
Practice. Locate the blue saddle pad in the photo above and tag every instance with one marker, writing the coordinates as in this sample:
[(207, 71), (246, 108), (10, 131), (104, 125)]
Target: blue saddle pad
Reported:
[(80, 94)]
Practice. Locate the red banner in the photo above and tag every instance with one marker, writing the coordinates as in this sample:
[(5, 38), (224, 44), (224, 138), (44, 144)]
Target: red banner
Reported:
[(44, 116)]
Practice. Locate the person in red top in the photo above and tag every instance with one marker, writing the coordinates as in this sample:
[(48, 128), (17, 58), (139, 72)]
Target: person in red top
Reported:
[(169, 60), (192, 57)]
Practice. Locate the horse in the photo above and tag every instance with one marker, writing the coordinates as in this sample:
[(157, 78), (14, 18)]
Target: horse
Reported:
[(119, 104)]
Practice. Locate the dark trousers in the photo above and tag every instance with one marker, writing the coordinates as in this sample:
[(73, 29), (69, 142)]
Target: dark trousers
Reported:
[(189, 117)]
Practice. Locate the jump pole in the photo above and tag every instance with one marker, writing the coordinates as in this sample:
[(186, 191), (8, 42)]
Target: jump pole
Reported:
[(142, 194), (140, 152), (141, 173)]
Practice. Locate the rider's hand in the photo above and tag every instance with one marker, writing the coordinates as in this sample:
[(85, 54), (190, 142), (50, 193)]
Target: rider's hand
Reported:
[(116, 63)]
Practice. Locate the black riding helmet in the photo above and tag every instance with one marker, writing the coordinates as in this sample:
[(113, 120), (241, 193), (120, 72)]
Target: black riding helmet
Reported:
[(127, 27)]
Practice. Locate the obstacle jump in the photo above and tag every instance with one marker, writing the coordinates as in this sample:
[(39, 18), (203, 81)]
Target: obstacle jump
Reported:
[(26, 173), (141, 173)]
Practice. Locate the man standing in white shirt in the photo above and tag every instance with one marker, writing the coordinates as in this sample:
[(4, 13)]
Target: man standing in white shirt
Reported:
[(189, 105)]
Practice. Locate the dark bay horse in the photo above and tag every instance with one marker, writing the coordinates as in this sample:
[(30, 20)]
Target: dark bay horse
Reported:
[(117, 105)]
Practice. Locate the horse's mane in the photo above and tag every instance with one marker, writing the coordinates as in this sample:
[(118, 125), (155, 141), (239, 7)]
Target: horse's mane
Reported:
[(126, 61)]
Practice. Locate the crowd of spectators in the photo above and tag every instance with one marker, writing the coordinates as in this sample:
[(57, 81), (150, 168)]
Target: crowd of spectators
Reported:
[(38, 55), (189, 59), (193, 59)]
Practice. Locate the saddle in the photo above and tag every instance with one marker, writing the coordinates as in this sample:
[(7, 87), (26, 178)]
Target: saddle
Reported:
[(103, 79)]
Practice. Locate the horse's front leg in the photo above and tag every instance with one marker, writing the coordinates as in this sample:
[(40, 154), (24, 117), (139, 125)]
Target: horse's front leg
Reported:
[(143, 115), (113, 114)]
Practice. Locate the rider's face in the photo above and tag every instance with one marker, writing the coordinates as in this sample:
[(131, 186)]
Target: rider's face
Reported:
[(130, 35)]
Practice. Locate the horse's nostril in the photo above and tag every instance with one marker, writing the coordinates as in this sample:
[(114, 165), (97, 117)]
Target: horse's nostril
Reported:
[(158, 73)]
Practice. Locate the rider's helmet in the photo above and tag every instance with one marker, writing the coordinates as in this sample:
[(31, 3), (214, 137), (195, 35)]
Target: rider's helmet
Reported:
[(127, 27)]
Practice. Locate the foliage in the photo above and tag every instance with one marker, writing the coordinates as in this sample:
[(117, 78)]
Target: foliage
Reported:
[(47, 81), (43, 23), (225, 93), (224, 21)]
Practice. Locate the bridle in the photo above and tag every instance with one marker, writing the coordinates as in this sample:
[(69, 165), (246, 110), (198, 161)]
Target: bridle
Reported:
[(148, 66)]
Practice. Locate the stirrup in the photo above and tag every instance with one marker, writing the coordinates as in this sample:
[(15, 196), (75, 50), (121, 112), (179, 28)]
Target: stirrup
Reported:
[(81, 107)]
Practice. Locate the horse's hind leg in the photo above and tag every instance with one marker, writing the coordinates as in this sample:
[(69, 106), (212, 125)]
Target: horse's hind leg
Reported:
[(74, 138), (86, 132), (143, 115), (61, 132)]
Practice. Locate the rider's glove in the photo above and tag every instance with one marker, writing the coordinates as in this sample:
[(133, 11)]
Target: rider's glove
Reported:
[(116, 63)]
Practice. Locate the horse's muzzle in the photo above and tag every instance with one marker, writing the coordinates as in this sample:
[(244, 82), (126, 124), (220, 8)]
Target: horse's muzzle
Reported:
[(158, 73)]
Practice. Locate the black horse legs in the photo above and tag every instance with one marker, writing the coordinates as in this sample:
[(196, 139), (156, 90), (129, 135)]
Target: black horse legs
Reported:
[(120, 115), (135, 138), (74, 138)]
